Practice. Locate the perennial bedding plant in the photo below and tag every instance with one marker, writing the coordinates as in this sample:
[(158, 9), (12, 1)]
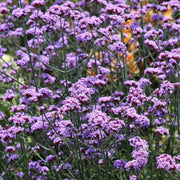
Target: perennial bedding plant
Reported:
[(91, 89)]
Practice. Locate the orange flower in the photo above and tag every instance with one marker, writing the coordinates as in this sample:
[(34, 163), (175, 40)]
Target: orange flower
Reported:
[(168, 13)]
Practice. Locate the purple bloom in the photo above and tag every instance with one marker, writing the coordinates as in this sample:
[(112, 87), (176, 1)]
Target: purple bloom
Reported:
[(12, 157), (136, 96), (104, 99), (116, 21), (131, 164), (156, 17), (48, 78), (71, 60), (165, 161), (18, 13), (137, 32), (162, 131), (119, 164), (81, 91), (114, 9), (84, 37), (117, 47), (115, 125), (133, 177), (140, 153), (50, 158), (35, 165), (39, 125), (17, 33), (43, 170), (65, 128), (98, 118), (103, 70), (152, 44), (90, 152), (166, 89), (38, 3), (158, 121), (67, 166), (20, 174), (142, 121), (138, 143), (70, 104), (101, 41), (46, 92), (4, 10)]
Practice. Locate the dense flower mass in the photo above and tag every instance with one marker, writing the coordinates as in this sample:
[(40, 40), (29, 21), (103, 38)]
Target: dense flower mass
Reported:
[(89, 89)]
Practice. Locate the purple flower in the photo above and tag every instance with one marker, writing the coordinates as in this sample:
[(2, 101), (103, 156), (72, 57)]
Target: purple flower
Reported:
[(67, 166), (103, 70), (140, 153), (4, 10), (115, 125), (98, 118), (39, 125), (114, 9), (133, 177), (152, 44), (104, 99), (50, 158), (101, 41), (84, 37), (17, 33), (162, 131), (105, 31), (131, 83), (119, 164), (10, 149), (138, 143), (117, 47), (18, 13), (43, 170), (12, 157), (158, 121), (165, 161), (46, 92), (38, 3), (136, 96), (70, 104), (9, 133), (156, 17), (131, 164), (20, 174), (166, 88), (48, 78), (65, 128), (137, 32), (142, 121), (71, 60), (116, 21), (90, 152)]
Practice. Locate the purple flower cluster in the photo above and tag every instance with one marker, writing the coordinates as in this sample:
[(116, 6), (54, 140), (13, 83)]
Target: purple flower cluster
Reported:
[(91, 86), (140, 154)]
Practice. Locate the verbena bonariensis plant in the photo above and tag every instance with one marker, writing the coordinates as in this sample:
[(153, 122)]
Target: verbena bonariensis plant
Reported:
[(91, 90)]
